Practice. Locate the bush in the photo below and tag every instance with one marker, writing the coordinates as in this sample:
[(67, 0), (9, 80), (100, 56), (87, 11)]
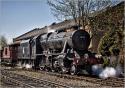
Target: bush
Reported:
[(106, 61), (105, 43), (114, 49), (111, 42)]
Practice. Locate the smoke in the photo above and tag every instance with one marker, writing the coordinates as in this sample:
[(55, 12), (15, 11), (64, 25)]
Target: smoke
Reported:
[(106, 72), (50, 30), (97, 69), (119, 71), (28, 66)]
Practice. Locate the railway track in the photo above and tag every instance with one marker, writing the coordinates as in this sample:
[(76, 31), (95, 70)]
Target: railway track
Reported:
[(28, 82), (14, 82), (112, 82)]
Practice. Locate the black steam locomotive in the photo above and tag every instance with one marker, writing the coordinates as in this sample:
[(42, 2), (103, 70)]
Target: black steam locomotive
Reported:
[(60, 51)]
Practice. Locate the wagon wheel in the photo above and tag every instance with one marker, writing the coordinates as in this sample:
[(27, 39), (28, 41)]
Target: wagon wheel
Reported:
[(73, 70), (47, 68), (63, 70), (41, 68)]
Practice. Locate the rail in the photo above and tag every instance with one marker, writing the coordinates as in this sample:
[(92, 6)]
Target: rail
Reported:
[(31, 82)]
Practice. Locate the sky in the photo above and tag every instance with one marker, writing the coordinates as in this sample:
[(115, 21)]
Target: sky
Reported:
[(20, 16)]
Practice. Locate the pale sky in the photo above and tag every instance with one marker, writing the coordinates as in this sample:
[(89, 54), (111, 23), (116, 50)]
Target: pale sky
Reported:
[(20, 16)]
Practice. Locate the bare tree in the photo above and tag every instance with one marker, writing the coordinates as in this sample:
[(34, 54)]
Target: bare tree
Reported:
[(3, 41), (79, 10)]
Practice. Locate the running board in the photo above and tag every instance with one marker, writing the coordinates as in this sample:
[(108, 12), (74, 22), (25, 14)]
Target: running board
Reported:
[(51, 54)]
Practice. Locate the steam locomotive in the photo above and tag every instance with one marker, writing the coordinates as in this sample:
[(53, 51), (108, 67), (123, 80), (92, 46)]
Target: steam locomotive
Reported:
[(60, 51)]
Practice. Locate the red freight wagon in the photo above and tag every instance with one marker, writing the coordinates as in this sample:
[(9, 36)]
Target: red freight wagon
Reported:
[(9, 54)]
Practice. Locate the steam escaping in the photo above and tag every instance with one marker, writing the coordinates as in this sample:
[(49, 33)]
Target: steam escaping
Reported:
[(28, 66), (119, 71), (106, 72), (50, 30), (97, 69)]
